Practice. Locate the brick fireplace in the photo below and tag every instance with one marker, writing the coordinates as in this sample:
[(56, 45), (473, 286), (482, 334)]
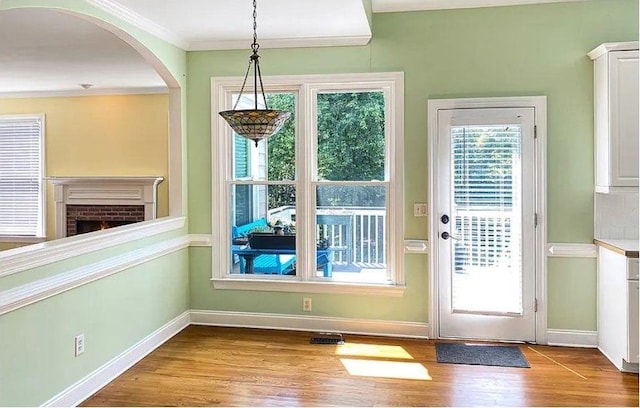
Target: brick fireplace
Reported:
[(85, 204), (88, 218)]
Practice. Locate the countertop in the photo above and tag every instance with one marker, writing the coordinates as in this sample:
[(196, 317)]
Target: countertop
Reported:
[(627, 247)]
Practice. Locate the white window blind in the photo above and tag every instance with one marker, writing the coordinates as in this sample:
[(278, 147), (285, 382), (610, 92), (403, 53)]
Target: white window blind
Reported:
[(21, 175), (487, 190)]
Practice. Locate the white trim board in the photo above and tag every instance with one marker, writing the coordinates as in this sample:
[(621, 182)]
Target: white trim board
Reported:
[(33, 256), (21, 296), (387, 6), (571, 250), (86, 92), (200, 240), (100, 377), (310, 323), (342, 41), (572, 338)]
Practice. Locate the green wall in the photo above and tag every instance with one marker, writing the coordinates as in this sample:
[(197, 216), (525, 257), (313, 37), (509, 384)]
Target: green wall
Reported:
[(37, 355), (504, 51)]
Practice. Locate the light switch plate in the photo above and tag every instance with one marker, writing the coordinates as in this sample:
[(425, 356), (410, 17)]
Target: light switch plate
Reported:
[(420, 209)]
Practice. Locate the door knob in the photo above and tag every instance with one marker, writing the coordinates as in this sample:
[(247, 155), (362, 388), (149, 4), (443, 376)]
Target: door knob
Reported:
[(446, 235)]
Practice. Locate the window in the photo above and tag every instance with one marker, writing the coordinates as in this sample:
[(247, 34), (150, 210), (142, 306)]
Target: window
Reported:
[(22, 205), (322, 199)]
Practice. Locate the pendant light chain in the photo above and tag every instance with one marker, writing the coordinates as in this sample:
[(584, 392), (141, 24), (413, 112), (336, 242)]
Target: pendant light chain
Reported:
[(255, 124), (255, 58), (255, 26)]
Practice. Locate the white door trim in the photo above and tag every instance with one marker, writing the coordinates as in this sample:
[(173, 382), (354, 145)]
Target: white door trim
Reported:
[(539, 103)]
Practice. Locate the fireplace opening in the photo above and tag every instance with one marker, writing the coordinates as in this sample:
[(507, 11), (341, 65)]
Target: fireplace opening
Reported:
[(94, 217), (84, 226)]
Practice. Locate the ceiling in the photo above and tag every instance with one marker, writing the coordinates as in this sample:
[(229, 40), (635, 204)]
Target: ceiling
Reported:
[(49, 52)]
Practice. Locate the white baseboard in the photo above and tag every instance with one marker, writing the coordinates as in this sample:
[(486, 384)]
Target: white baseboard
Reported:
[(310, 323), (572, 338), (93, 382), (89, 385)]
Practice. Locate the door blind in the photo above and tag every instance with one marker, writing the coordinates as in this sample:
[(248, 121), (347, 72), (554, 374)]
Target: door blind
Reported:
[(486, 186), (21, 200), (486, 170)]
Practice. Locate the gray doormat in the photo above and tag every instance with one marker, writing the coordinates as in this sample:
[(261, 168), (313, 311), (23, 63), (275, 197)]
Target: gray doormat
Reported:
[(489, 355)]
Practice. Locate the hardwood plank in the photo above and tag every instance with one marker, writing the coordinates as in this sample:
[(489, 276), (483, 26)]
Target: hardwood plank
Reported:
[(215, 366)]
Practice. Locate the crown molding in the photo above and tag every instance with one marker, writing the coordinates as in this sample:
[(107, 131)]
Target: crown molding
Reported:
[(118, 10), (86, 92), (608, 47), (389, 6), (281, 43)]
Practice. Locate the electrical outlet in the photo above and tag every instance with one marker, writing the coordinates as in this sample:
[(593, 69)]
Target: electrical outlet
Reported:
[(79, 342), (419, 209), (306, 304)]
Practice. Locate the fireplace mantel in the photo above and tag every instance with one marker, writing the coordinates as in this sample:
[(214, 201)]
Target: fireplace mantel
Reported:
[(103, 191)]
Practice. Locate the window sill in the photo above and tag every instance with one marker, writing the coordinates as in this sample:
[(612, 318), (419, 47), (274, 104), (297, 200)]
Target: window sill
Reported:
[(21, 239), (307, 287)]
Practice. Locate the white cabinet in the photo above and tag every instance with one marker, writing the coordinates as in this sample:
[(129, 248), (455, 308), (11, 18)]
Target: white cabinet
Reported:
[(616, 116), (618, 308)]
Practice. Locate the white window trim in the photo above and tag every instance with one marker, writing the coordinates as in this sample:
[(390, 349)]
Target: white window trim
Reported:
[(42, 225), (221, 88)]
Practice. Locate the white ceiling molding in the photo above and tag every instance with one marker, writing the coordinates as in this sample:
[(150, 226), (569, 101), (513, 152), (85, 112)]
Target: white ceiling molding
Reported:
[(135, 19), (281, 43), (388, 6), (85, 92)]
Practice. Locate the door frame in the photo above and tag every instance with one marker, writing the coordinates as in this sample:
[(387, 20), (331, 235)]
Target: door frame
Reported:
[(539, 103)]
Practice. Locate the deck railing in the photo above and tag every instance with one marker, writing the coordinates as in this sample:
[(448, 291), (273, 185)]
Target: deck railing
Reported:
[(356, 234), (486, 237)]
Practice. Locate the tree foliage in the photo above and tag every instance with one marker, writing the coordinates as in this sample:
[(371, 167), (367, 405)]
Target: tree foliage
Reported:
[(281, 154), (351, 147)]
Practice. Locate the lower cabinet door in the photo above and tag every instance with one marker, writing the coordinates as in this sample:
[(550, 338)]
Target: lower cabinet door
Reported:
[(633, 346)]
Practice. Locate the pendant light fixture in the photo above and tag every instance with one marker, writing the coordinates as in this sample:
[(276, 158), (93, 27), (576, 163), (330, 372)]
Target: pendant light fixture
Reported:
[(255, 124)]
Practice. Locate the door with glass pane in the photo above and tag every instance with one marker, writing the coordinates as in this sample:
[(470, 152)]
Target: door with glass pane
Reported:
[(486, 225)]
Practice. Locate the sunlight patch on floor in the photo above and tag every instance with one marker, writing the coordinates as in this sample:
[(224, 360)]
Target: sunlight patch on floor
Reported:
[(386, 369), (372, 350)]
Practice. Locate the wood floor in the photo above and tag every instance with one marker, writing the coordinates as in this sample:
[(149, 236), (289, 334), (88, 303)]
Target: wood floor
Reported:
[(213, 366)]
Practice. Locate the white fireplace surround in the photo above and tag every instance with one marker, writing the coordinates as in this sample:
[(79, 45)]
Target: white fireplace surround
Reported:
[(103, 191)]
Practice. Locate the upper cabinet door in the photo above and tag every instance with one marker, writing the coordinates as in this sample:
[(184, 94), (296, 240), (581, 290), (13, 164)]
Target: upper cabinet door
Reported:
[(616, 116)]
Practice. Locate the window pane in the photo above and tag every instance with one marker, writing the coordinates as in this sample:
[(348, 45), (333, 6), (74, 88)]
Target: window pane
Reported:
[(351, 222), (351, 142), (270, 250), (273, 158)]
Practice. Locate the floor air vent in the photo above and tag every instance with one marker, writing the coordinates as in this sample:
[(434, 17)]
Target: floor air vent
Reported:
[(327, 338)]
